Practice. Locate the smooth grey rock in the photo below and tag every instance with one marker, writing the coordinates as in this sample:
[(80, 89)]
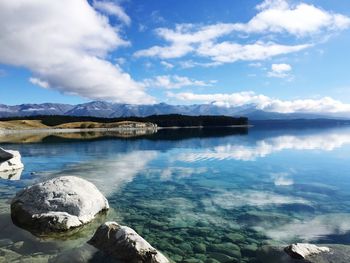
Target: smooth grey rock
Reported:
[(303, 250), (276, 254), (10, 160), (123, 243), (58, 204)]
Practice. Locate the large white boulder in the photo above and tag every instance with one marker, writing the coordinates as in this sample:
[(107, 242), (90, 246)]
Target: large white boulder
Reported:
[(123, 243), (10, 160), (58, 204), (303, 250)]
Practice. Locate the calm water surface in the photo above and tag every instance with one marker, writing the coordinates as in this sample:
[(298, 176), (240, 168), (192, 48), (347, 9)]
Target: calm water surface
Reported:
[(196, 195)]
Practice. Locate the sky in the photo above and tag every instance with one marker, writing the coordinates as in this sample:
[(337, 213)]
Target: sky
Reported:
[(280, 55)]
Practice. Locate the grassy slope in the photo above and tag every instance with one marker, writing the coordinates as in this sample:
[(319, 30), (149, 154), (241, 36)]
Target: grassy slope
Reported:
[(22, 124), (37, 124)]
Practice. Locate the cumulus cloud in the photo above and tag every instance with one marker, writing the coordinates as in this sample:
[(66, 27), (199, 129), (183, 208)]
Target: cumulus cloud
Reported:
[(274, 16), (113, 9), (64, 43), (280, 70), (300, 20), (262, 102), (174, 82)]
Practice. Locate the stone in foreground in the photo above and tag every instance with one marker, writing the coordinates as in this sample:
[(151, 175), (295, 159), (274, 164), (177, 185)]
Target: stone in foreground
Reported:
[(123, 243), (56, 205), (10, 160), (303, 250), (276, 254)]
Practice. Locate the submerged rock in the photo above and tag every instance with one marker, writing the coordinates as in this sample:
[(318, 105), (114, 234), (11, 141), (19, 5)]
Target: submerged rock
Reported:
[(10, 160), (58, 204), (123, 243), (82, 254), (303, 250)]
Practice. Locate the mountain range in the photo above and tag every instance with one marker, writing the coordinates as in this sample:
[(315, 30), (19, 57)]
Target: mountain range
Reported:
[(113, 110)]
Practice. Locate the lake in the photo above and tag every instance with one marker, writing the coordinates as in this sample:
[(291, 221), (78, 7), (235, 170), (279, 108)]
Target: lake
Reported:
[(197, 195)]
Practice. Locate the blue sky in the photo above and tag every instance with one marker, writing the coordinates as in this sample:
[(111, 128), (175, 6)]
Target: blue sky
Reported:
[(280, 55)]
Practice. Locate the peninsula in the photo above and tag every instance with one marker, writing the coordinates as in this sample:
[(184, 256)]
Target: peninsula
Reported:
[(58, 122)]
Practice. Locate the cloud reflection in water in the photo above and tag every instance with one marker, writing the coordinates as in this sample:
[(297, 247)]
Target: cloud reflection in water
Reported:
[(265, 147), (111, 173)]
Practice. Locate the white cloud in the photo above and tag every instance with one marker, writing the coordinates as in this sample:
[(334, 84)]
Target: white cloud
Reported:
[(189, 33), (113, 9), (223, 52), (173, 51), (262, 102), (191, 64), (39, 82), (64, 43), (280, 70), (174, 82), (274, 16), (167, 64), (281, 67), (301, 19), (228, 52)]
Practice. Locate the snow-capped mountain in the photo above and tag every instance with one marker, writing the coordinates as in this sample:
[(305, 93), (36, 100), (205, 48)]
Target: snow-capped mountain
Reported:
[(109, 110), (34, 109)]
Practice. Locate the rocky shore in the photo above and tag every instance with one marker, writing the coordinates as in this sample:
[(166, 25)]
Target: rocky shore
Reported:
[(65, 203)]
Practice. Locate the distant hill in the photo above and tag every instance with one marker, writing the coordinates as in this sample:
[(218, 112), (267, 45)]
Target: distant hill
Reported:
[(116, 110), (169, 120), (35, 124)]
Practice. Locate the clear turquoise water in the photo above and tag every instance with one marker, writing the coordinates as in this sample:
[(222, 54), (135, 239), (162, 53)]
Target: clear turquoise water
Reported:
[(198, 196)]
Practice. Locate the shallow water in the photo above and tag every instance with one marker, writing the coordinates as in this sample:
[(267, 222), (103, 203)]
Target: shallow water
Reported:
[(196, 195)]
